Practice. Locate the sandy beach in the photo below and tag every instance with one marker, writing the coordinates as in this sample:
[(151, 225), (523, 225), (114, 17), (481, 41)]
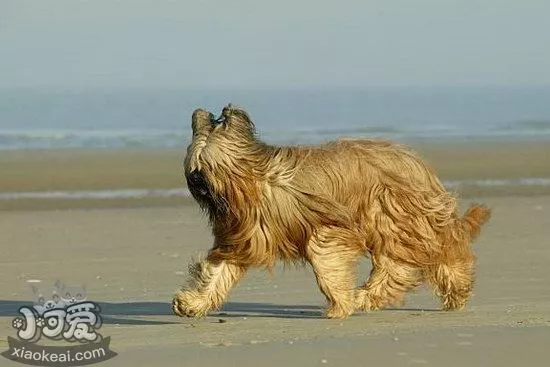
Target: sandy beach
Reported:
[(132, 255)]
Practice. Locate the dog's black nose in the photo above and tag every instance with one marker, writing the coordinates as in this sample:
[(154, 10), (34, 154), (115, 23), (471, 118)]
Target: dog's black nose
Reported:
[(216, 121), (212, 117)]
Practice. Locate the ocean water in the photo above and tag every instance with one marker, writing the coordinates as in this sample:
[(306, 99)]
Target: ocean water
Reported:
[(47, 119)]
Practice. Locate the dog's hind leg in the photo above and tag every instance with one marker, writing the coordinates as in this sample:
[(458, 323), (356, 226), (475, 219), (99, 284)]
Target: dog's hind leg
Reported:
[(333, 253), (388, 281), (453, 281), (208, 287)]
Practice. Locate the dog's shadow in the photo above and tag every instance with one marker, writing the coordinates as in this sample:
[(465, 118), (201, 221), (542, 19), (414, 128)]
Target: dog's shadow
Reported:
[(253, 309), (121, 312), (130, 313), (229, 309)]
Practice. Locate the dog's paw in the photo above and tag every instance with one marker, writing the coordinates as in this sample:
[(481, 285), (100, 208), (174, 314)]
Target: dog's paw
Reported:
[(339, 311), (189, 303), (365, 302), (451, 303)]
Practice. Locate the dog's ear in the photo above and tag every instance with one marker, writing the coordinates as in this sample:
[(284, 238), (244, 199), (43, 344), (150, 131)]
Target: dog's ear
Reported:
[(244, 115), (227, 111), (230, 110)]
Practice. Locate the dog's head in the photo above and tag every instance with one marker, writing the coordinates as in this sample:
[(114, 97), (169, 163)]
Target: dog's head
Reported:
[(233, 125), (218, 166)]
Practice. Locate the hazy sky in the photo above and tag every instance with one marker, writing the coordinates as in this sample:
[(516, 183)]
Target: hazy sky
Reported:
[(255, 43)]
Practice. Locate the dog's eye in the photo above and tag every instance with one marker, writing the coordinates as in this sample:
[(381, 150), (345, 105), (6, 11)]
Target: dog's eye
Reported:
[(216, 121)]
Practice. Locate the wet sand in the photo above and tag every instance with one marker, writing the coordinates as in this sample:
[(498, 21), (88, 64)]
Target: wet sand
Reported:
[(133, 259)]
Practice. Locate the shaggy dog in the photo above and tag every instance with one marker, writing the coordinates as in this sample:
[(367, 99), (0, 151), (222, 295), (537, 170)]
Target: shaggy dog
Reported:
[(327, 205)]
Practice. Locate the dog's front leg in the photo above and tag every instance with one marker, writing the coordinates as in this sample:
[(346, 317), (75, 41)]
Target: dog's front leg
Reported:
[(333, 252), (208, 287)]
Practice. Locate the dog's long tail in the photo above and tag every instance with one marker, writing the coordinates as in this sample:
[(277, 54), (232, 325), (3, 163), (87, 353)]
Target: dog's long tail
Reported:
[(474, 218)]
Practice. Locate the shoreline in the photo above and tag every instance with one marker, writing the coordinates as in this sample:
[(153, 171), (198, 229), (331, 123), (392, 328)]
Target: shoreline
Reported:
[(471, 169)]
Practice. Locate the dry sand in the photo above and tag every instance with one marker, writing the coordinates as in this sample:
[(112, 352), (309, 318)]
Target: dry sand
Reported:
[(133, 259)]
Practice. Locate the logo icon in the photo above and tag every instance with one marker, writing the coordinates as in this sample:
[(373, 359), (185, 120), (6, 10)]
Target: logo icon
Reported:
[(64, 314)]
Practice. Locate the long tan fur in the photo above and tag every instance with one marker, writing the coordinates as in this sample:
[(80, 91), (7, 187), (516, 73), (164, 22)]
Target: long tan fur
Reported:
[(328, 205)]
